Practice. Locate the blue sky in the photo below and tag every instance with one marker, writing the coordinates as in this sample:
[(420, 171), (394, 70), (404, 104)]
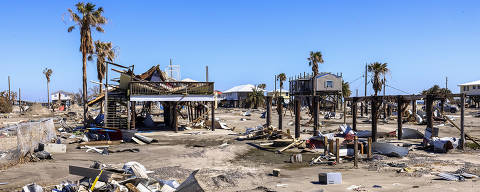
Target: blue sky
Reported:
[(249, 41)]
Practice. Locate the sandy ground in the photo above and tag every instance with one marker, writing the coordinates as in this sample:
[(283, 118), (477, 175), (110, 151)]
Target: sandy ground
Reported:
[(240, 166)]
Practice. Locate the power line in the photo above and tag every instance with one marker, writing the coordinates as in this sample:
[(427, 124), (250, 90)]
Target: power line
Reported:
[(397, 89)]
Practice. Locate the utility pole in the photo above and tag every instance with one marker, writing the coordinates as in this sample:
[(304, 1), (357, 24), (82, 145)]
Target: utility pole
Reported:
[(365, 79), (206, 73), (275, 91), (446, 82)]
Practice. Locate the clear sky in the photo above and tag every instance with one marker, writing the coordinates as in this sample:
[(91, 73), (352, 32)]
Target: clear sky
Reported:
[(248, 41)]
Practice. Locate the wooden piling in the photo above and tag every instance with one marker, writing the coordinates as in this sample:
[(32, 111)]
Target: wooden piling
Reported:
[(429, 111), (325, 145), (269, 111), (374, 118), (399, 117), (361, 109), (355, 151), (280, 112), (175, 116), (213, 115), (315, 115), (330, 146), (414, 107), (369, 149), (337, 147), (297, 118), (354, 114)]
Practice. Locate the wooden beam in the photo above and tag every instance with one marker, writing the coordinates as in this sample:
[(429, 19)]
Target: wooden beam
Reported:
[(399, 117), (429, 111), (297, 117)]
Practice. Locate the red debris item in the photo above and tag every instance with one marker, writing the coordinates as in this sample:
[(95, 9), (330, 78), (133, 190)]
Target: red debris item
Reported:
[(349, 137), (314, 143)]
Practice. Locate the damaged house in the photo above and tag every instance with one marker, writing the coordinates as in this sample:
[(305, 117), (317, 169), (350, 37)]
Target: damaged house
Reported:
[(131, 100)]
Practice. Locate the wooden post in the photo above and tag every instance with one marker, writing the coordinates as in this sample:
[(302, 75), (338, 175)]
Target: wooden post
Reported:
[(175, 116), (361, 109), (134, 114), (355, 151), (344, 113), (399, 117), (280, 112), (462, 121), (129, 115), (269, 111), (213, 115), (325, 145), (297, 118), (315, 115), (337, 147), (429, 111), (330, 146), (366, 108), (369, 150), (374, 118), (354, 114), (414, 107), (442, 102)]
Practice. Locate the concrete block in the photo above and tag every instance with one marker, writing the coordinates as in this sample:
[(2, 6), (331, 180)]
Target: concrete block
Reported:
[(55, 148)]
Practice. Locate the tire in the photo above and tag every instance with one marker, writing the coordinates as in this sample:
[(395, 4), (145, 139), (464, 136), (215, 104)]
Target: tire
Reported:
[(453, 110)]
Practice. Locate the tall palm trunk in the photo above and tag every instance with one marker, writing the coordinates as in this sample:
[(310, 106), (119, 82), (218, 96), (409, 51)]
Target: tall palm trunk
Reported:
[(48, 94), (101, 91), (85, 106)]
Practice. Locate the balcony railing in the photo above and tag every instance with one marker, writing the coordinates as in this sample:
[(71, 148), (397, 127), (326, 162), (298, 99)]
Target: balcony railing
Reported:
[(171, 88)]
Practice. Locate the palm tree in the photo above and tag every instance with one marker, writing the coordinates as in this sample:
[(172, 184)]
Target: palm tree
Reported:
[(379, 70), (90, 18), (313, 61), (281, 78), (48, 73), (256, 97), (346, 89), (103, 50), (262, 86)]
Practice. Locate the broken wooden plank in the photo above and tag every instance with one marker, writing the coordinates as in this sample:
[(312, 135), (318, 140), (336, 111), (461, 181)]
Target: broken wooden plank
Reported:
[(138, 141), (132, 187), (96, 143), (466, 135), (90, 173)]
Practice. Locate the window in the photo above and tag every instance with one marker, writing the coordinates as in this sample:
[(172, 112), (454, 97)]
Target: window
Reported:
[(328, 84)]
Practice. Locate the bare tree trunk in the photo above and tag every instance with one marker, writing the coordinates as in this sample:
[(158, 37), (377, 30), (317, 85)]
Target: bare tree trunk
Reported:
[(84, 78), (101, 91), (48, 94)]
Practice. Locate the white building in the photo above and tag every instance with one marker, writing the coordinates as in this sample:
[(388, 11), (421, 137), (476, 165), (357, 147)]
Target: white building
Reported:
[(237, 95), (470, 88), (62, 95)]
